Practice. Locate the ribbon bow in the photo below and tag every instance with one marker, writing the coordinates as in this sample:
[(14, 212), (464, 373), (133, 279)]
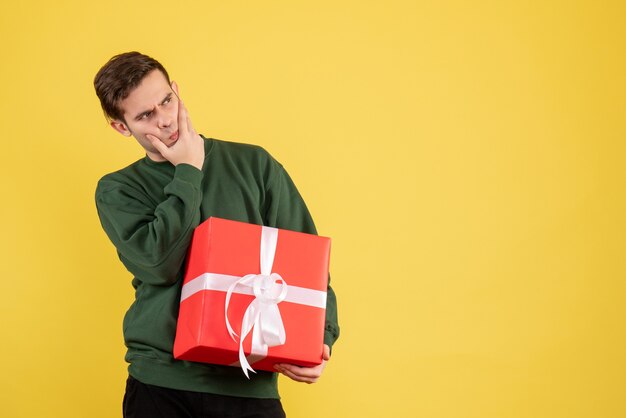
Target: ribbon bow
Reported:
[(262, 316)]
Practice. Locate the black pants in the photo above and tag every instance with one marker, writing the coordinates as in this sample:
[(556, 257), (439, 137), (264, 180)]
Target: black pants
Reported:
[(148, 401)]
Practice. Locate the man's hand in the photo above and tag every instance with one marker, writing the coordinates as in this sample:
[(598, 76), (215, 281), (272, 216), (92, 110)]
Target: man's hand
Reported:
[(189, 148), (304, 374)]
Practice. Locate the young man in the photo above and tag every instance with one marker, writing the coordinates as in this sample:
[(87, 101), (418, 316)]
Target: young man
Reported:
[(149, 211)]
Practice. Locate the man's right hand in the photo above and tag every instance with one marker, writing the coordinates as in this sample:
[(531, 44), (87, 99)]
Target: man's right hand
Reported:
[(188, 149)]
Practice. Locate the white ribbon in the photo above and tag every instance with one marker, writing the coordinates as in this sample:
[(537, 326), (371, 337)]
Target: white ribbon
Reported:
[(262, 315), (221, 283)]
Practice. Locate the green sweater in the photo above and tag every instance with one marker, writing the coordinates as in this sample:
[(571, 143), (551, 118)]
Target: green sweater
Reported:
[(149, 211)]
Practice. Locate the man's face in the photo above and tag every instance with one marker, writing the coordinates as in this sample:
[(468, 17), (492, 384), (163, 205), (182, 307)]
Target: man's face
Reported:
[(151, 108)]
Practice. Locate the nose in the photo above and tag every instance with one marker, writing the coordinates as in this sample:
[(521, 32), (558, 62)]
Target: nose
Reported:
[(164, 120)]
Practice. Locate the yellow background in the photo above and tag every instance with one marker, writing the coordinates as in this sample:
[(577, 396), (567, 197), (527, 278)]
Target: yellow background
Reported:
[(467, 158)]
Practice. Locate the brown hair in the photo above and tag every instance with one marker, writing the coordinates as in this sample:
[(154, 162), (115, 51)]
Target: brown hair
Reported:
[(119, 77)]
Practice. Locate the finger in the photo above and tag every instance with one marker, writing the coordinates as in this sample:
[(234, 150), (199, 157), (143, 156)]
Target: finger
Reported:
[(303, 372), (298, 378), (189, 125), (182, 119), (326, 353), (156, 143)]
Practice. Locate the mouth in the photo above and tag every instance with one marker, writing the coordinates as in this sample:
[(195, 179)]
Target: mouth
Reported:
[(174, 136)]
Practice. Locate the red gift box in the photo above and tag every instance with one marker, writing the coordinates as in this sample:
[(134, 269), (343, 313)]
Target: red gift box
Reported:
[(253, 295)]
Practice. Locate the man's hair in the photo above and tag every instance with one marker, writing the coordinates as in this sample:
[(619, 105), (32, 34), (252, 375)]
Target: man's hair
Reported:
[(119, 77)]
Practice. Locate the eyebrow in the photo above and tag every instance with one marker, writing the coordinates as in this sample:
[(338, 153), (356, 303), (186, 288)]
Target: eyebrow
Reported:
[(140, 114)]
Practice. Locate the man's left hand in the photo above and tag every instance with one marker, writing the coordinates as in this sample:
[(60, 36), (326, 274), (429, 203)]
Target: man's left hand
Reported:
[(304, 374)]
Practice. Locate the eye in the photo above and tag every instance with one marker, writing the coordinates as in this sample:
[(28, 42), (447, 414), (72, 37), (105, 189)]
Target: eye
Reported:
[(145, 115)]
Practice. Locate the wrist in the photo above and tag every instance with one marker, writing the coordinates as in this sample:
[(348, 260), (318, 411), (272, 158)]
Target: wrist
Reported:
[(194, 161), (197, 163)]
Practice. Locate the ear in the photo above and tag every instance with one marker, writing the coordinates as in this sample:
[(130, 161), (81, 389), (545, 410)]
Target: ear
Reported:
[(175, 88), (120, 127)]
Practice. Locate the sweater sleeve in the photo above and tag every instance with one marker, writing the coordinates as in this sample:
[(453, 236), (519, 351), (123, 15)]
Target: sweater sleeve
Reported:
[(152, 239), (286, 209)]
